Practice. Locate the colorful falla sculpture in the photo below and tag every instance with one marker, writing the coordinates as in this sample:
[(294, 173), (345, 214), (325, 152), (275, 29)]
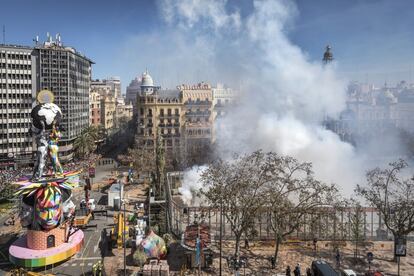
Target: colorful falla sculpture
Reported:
[(47, 209)]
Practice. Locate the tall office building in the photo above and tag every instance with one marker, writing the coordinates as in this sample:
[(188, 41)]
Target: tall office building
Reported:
[(24, 71), (66, 73), (17, 92)]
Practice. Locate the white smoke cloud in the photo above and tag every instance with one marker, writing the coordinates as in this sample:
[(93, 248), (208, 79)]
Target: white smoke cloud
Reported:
[(284, 95), (191, 12), (191, 185)]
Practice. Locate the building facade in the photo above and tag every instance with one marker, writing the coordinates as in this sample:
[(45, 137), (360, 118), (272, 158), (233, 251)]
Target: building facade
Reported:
[(198, 120), (123, 113), (107, 87), (17, 93), (132, 92), (183, 117), (223, 97), (66, 73), (375, 111), (108, 105), (94, 109)]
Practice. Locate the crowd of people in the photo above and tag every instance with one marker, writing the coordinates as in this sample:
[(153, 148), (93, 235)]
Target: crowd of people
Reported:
[(83, 164), (8, 176)]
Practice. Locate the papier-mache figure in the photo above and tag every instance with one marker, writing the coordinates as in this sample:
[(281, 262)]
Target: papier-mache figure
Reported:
[(45, 117), (46, 198), (54, 138), (47, 211)]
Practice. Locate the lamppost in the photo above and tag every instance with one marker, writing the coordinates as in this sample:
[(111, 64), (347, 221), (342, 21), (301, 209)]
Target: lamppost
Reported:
[(221, 232), (149, 208), (123, 236)]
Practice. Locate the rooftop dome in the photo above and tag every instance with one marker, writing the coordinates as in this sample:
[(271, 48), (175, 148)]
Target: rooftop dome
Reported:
[(147, 79)]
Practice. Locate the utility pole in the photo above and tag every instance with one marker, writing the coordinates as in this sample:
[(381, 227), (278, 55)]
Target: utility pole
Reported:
[(124, 234), (398, 266), (221, 232), (4, 34)]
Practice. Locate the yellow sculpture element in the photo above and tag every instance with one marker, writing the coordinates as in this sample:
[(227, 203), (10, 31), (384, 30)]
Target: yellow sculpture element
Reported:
[(118, 229)]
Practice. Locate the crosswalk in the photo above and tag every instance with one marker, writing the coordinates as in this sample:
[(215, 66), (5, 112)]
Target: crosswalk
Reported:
[(81, 262)]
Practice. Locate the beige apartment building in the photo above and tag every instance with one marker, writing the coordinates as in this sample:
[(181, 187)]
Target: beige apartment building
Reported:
[(183, 116), (108, 104), (94, 109), (123, 113)]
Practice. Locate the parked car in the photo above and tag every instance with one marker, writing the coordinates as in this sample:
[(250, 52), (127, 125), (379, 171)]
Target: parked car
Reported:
[(322, 268)]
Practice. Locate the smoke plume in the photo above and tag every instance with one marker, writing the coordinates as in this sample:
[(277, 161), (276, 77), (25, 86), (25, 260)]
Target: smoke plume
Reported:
[(283, 95)]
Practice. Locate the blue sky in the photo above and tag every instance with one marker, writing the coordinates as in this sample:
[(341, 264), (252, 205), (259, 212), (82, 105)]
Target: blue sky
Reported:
[(371, 39)]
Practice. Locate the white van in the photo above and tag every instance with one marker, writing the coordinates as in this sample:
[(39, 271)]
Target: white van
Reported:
[(348, 272), (91, 203)]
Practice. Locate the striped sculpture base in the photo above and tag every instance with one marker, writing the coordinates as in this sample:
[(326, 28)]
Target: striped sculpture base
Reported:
[(20, 254)]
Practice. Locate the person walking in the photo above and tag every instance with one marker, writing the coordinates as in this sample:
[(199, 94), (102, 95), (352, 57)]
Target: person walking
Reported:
[(288, 271), (273, 262), (296, 272)]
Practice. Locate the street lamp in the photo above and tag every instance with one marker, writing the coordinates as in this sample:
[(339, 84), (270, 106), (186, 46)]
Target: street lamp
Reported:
[(123, 236), (221, 231)]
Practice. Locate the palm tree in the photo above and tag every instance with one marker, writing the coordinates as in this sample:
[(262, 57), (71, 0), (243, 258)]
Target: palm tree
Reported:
[(85, 143)]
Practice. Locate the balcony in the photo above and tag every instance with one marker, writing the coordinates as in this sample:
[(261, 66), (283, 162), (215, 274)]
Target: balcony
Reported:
[(169, 115), (198, 114), (197, 103)]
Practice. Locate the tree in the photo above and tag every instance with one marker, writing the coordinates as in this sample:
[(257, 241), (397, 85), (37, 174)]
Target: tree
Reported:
[(291, 193), (356, 220), (160, 162), (142, 158), (85, 143), (393, 197), (237, 186)]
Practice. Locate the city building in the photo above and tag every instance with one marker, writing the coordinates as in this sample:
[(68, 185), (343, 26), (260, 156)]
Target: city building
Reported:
[(123, 113), (158, 109), (100, 87), (94, 109), (108, 105), (17, 93), (373, 111), (107, 87), (183, 117), (66, 73), (198, 121), (222, 98), (115, 84), (132, 92)]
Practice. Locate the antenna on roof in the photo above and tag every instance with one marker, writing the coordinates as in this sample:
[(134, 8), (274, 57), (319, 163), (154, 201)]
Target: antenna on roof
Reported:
[(4, 34), (36, 40)]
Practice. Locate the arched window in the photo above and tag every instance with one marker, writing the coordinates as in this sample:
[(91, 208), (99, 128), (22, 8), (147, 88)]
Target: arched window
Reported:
[(51, 241)]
